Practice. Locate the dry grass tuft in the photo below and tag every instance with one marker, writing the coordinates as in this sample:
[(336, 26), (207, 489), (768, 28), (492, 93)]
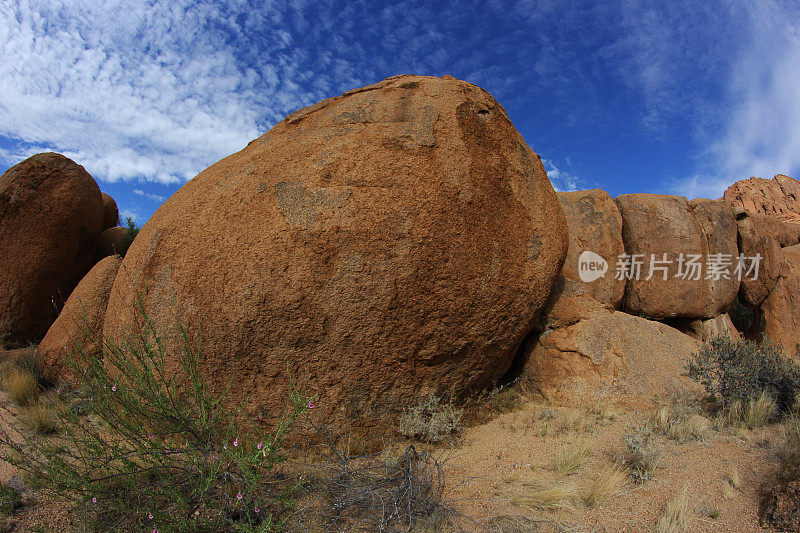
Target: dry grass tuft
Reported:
[(731, 482), (758, 412), (571, 457), (607, 484), (21, 386), (545, 497), (675, 518), (681, 423), (42, 417)]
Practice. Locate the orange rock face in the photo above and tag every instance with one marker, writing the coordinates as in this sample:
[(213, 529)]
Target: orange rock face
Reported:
[(51, 212), (595, 225), (110, 241), (396, 241), (110, 212), (79, 327), (779, 319), (778, 198), (608, 356), (658, 229)]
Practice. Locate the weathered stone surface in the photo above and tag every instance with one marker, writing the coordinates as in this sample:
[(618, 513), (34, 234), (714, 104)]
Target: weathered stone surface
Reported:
[(51, 212), (595, 225), (666, 232), (79, 327), (608, 356), (718, 223), (110, 241), (756, 239), (390, 243), (705, 330), (778, 198), (779, 319), (110, 212)]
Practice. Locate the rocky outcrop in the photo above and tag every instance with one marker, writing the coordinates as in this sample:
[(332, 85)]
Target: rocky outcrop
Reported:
[(396, 241), (608, 356), (705, 330), (111, 241), (51, 212), (78, 330), (110, 212), (778, 198), (595, 227), (779, 316), (667, 237), (757, 243)]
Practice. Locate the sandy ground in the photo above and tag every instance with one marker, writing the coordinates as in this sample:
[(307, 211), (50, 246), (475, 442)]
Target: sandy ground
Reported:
[(490, 464), (494, 461)]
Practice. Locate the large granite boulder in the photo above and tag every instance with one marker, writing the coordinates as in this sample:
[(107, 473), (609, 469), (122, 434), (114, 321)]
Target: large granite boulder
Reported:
[(51, 212), (390, 243), (673, 243), (78, 330), (778, 198)]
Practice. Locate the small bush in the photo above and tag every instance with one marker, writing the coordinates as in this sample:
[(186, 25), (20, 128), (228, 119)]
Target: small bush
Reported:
[(640, 455), (10, 499), (21, 386), (431, 421), (130, 234), (741, 370), (681, 424)]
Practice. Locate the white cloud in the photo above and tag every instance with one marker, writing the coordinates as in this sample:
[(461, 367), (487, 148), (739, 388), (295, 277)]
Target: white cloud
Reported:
[(562, 180), (762, 136), (150, 196), (136, 89)]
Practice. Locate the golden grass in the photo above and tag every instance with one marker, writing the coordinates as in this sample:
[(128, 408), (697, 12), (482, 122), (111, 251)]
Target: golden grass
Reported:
[(607, 483), (675, 518), (571, 458), (731, 482), (544, 497), (757, 413), (21, 386), (42, 418), (681, 425)]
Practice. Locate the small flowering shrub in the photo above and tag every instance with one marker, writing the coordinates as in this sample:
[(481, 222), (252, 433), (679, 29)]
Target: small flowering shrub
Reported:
[(141, 450)]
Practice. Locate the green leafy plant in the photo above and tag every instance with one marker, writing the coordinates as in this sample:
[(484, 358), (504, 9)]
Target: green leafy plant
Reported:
[(127, 239), (142, 448), (741, 371)]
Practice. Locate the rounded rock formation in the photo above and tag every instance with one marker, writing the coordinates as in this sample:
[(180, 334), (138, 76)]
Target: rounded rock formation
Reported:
[(110, 212), (387, 244), (110, 241), (51, 212), (79, 327), (778, 198)]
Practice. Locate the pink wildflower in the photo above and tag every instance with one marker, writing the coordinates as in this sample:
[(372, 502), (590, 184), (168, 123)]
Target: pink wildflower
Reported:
[(260, 444), (310, 404), (114, 387), (150, 516), (236, 441), (94, 499), (239, 496)]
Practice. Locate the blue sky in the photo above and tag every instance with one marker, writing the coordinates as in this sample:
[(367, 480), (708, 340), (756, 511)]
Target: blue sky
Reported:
[(634, 96)]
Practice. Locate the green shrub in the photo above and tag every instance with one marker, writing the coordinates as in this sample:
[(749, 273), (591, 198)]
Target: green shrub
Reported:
[(741, 315), (130, 234), (740, 371), (431, 420), (143, 450)]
